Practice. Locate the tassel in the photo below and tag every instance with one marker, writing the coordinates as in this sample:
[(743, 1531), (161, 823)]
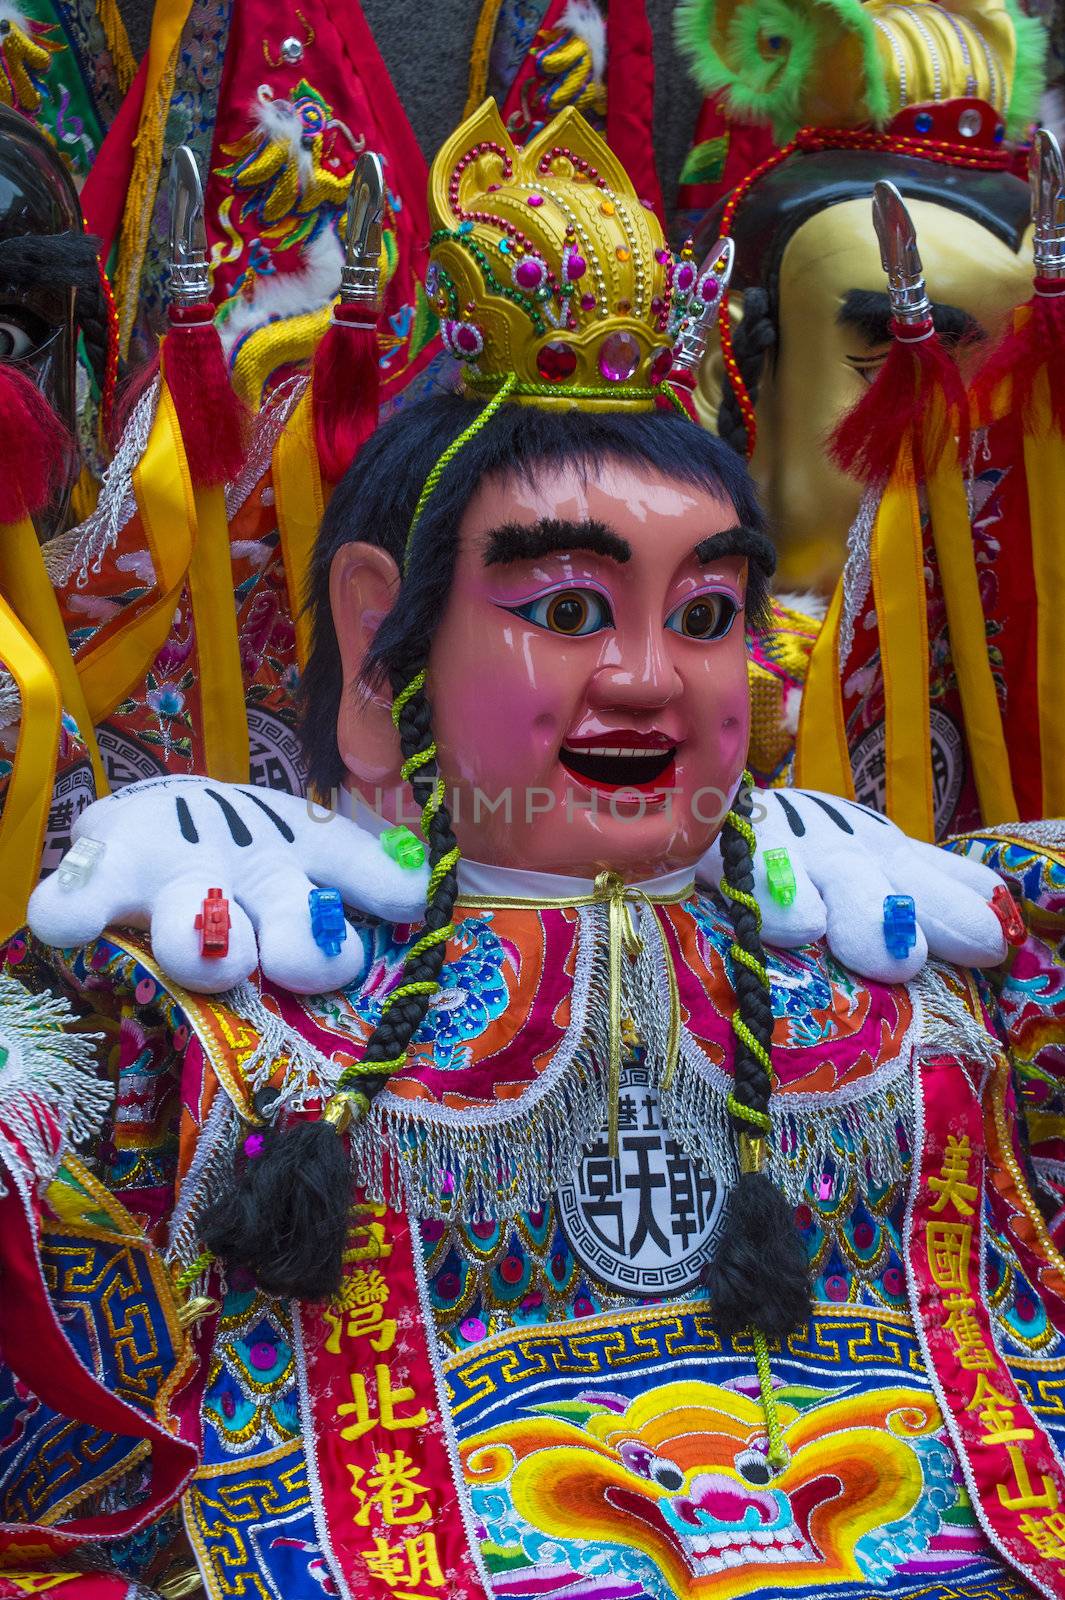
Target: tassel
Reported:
[(918, 395), (344, 388), (285, 1217), (760, 1274), (1034, 343), (212, 418), (36, 450)]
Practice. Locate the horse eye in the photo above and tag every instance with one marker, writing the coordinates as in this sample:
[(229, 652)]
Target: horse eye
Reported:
[(667, 1474), (753, 1467)]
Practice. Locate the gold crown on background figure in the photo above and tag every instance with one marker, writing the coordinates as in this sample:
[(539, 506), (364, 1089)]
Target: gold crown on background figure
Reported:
[(546, 267)]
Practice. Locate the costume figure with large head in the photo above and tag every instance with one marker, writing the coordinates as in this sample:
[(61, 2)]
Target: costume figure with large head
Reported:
[(923, 94), (559, 566)]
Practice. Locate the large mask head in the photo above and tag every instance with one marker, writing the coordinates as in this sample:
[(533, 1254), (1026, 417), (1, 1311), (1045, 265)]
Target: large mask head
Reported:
[(49, 282), (924, 93), (579, 609), (575, 582), (810, 318)]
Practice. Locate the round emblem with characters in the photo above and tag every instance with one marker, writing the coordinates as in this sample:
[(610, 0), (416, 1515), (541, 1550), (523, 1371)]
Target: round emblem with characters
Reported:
[(645, 1221)]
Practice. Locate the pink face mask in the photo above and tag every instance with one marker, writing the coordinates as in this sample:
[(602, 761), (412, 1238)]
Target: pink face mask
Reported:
[(588, 679)]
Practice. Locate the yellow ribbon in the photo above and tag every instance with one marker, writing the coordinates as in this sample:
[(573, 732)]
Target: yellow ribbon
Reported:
[(27, 588), (168, 23), (897, 562), (1044, 465), (300, 504), (822, 759), (163, 491), (29, 789), (223, 712), (948, 509)]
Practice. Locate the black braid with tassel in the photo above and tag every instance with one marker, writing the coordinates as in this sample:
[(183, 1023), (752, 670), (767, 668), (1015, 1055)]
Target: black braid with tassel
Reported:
[(760, 1276)]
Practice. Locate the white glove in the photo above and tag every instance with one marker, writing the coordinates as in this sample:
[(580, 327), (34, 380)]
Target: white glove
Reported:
[(846, 859), (167, 841)]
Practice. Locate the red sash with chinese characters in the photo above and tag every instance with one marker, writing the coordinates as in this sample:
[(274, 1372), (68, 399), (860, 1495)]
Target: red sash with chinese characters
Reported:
[(1012, 1473), (391, 1505)]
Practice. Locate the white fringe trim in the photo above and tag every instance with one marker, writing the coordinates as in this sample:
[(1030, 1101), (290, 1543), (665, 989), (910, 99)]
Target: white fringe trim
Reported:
[(50, 1094)]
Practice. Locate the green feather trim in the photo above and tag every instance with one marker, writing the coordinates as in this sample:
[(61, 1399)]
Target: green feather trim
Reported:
[(773, 90), (1029, 71), (705, 162)]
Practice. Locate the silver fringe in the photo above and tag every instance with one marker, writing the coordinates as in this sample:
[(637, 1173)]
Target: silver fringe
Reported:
[(857, 572), (83, 548), (209, 1173), (48, 1077), (309, 1075), (501, 1162), (268, 428), (504, 1160)]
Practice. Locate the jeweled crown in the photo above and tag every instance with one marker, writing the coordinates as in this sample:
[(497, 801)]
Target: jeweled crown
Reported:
[(546, 267)]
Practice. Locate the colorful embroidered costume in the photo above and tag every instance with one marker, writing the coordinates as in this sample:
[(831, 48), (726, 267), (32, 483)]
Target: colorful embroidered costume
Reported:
[(575, 1245)]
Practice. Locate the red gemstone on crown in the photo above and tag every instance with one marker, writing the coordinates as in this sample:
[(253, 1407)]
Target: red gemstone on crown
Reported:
[(556, 361)]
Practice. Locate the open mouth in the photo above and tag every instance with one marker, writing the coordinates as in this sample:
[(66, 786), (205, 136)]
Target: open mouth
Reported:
[(621, 761)]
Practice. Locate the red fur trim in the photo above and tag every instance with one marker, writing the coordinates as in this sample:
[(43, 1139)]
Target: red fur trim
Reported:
[(1033, 343), (214, 423), (898, 406), (344, 390), (36, 450)]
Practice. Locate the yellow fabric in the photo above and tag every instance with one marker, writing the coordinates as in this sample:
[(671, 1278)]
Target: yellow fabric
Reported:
[(29, 789), (949, 511), (480, 52), (289, 342), (222, 705), (300, 503), (163, 491), (897, 560), (1044, 465), (168, 23), (85, 495), (122, 56), (27, 588), (787, 648), (822, 760)]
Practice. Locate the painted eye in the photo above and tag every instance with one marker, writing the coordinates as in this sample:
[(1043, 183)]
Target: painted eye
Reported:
[(574, 612), (15, 341), (708, 616), (753, 1467), (867, 367), (666, 1474)]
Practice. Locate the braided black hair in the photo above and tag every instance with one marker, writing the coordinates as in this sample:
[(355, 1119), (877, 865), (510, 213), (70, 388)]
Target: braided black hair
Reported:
[(759, 1277), (94, 322), (406, 1007), (752, 345)]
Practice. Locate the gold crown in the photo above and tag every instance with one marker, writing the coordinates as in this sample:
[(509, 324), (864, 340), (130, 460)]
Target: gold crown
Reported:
[(546, 268)]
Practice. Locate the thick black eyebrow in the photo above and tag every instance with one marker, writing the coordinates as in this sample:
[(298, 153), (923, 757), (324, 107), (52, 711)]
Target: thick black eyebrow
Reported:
[(526, 541), (868, 312), (761, 564)]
